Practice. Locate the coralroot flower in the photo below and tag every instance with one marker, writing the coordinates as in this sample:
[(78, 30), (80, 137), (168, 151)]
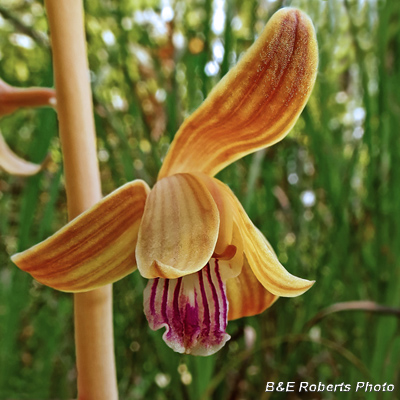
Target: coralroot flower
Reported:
[(205, 260), (11, 99)]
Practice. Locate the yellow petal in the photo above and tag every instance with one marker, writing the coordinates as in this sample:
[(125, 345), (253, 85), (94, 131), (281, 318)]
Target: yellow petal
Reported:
[(260, 256), (179, 229), (266, 266), (94, 249), (256, 104), (15, 165), (13, 98), (223, 247), (246, 295)]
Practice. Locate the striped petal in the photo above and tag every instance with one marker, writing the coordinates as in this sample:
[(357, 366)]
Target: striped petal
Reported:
[(246, 295), (179, 229), (15, 165), (223, 248), (12, 98), (256, 104), (193, 309), (260, 255), (94, 249)]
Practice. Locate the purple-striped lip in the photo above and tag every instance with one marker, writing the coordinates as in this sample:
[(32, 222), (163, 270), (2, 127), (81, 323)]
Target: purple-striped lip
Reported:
[(193, 309)]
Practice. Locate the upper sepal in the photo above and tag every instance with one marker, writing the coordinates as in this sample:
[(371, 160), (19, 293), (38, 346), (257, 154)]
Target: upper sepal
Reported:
[(256, 104)]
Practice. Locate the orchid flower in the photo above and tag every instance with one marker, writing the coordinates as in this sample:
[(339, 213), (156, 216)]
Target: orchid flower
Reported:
[(11, 99), (189, 236)]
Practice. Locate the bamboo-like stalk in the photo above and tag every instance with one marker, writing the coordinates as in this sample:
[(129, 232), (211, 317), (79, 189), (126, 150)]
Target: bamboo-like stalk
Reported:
[(93, 310)]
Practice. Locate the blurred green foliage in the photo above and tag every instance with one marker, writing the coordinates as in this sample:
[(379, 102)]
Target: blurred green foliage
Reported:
[(327, 197)]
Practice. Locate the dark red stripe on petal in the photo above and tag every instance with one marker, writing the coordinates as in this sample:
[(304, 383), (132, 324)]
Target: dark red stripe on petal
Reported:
[(222, 293), (176, 316), (206, 317), (215, 299)]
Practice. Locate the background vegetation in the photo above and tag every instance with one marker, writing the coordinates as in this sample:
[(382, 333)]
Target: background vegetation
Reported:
[(327, 197)]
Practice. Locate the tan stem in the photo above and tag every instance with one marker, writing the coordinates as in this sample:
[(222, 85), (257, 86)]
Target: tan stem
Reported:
[(93, 310)]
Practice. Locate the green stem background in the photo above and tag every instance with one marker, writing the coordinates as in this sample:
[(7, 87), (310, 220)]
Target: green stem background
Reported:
[(344, 149)]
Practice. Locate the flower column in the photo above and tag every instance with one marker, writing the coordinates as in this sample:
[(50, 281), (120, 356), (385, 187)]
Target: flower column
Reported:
[(93, 310)]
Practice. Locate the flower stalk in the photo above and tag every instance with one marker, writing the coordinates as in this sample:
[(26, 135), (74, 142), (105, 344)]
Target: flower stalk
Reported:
[(93, 310)]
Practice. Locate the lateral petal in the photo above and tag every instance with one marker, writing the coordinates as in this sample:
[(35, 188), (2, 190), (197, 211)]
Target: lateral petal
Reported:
[(94, 249), (261, 257), (246, 295), (15, 165), (179, 228), (256, 104)]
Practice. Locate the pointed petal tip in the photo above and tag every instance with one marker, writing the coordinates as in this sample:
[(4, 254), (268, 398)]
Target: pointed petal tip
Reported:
[(294, 287), (274, 276), (15, 258)]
